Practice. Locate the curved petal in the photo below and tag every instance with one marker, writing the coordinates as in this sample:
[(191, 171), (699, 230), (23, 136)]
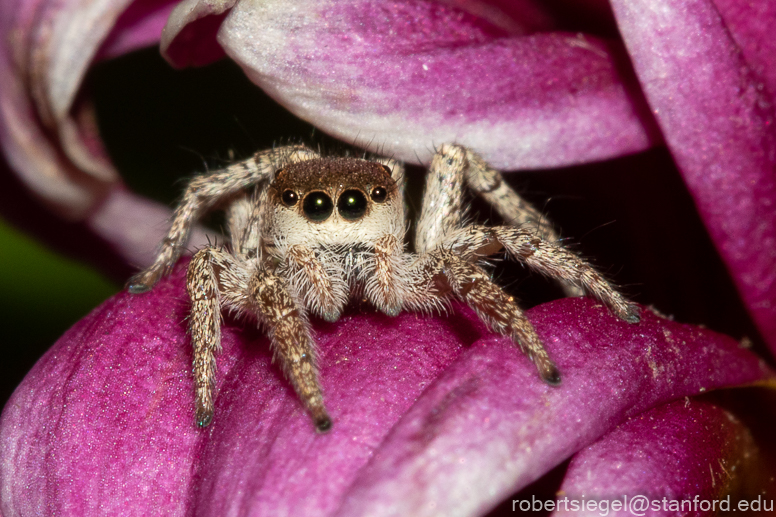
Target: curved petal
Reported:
[(668, 452), (403, 77), (46, 49), (483, 430), (718, 121), (188, 38), (47, 128), (104, 422), (134, 226)]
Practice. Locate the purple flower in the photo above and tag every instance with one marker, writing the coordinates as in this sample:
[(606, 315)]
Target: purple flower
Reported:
[(432, 415)]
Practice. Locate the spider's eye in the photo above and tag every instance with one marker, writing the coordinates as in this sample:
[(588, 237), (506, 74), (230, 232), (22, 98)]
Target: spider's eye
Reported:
[(352, 204), (379, 194), (317, 206), (289, 198)]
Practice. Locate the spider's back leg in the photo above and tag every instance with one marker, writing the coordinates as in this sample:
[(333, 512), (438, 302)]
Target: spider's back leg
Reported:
[(488, 183), (243, 220), (444, 271), (442, 210), (527, 246), (455, 167)]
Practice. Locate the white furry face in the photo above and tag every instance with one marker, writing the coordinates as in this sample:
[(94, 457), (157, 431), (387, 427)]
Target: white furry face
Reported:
[(333, 202)]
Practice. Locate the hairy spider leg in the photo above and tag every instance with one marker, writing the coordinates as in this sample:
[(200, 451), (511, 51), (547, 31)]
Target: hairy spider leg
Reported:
[(449, 252), (205, 192), (526, 246), (322, 289), (489, 184), (448, 272), (214, 278), (292, 342)]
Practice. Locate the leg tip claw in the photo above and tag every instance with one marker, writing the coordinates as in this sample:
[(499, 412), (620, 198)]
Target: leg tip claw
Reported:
[(632, 316), (204, 418), (137, 288), (331, 316), (551, 375), (323, 424), (143, 282), (391, 310)]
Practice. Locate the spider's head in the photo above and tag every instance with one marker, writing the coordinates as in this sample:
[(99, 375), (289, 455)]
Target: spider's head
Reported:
[(334, 201)]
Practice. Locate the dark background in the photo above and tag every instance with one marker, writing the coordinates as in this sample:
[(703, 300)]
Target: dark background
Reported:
[(631, 216)]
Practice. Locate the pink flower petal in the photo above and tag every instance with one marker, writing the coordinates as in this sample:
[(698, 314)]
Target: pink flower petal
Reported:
[(47, 128), (139, 26), (404, 77), (670, 452), (468, 439), (135, 226), (718, 120), (189, 36), (421, 406), (752, 24)]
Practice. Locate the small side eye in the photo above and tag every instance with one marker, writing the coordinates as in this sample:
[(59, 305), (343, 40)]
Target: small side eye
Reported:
[(289, 197), (379, 194), (352, 204), (317, 206)]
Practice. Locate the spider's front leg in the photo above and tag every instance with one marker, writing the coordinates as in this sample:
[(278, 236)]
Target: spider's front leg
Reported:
[(291, 340), (202, 194), (213, 277)]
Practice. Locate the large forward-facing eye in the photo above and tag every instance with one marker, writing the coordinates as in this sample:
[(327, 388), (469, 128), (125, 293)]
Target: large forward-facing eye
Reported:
[(352, 204), (317, 206)]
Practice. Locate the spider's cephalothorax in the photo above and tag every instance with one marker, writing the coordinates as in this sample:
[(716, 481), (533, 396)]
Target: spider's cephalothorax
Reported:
[(309, 233)]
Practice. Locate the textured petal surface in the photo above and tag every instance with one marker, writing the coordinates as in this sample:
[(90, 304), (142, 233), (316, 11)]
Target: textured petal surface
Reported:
[(422, 407), (677, 451), (751, 24), (403, 77), (718, 122)]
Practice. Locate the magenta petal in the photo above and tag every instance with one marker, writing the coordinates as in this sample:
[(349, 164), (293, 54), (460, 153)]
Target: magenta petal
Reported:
[(718, 120), (104, 422), (677, 451), (752, 25), (404, 77), (484, 430), (134, 226), (138, 27), (189, 38), (47, 128)]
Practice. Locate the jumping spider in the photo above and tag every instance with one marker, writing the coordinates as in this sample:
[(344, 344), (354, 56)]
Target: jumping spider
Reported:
[(308, 233)]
